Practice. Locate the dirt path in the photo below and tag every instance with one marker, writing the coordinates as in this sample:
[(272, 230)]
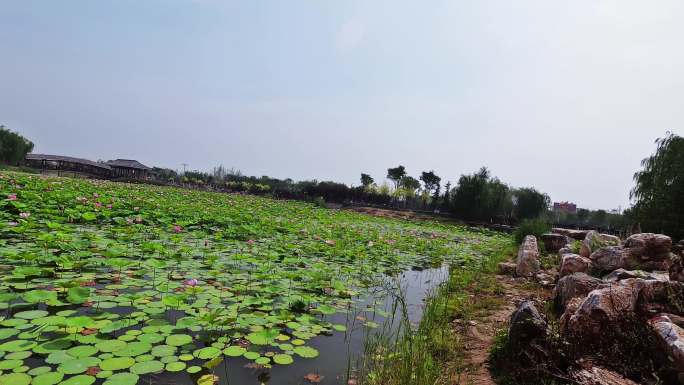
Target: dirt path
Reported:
[(479, 335)]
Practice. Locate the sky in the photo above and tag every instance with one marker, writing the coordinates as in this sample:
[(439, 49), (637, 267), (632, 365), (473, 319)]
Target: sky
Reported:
[(565, 96)]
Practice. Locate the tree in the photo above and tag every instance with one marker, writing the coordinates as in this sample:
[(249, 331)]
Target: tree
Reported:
[(13, 147), (366, 180), (410, 183), (659, 189), (395, 175), (430, 181), (530, 203)]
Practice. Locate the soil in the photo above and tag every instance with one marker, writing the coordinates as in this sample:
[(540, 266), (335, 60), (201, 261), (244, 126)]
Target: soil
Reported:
[(479, 334)]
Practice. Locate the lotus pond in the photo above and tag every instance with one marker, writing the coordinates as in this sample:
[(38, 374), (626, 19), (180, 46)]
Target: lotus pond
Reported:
[(124, 284)]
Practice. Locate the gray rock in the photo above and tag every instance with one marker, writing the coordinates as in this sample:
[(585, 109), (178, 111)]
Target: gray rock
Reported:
[(594, 241), (609, 258), (573, 263), (554, 242), (596, 375), (576, 285), (528, 257), (649, 246), (574, 234), (507, 268), (526, 324), (671, 340), (620, 274)]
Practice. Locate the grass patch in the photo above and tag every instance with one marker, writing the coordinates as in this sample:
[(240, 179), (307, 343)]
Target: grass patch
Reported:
[(433, 352)]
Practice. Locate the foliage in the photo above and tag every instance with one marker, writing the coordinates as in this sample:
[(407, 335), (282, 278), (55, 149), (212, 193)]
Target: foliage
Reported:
[(481, 197), (535, 227), (530, 203), (659, 189), (13, 147), (431, 181), (395, 174), (366, 180)]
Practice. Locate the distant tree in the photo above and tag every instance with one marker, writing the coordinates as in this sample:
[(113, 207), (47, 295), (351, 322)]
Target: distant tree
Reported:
[(430, 181), (447, 195), (366, 180), (395, 174), (582, 216), (659, 189), (530, 203), (598, 218), (409, 183), (13, 147)]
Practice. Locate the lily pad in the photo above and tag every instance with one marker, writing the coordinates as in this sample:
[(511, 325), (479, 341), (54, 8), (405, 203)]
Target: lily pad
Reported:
[(147, 367), (49, 378), (117, 363), (283, 359), (122, 379)]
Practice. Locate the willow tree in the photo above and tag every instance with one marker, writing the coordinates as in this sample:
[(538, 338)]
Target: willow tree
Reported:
[(659, 189)]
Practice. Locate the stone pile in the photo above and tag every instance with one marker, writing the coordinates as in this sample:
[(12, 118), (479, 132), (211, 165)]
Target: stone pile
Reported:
[(619, 306)]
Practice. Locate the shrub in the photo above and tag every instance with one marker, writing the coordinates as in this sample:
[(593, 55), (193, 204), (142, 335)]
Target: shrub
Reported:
[(535, 227)]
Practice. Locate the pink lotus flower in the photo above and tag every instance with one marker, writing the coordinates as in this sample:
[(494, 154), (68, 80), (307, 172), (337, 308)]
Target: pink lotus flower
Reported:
[(129, 221), (98, 204), (12, 223), (177, 229), (12, 197), (250, 242), (109, 206), (136, 208), (191, 282), (96, 195), (24, 215)]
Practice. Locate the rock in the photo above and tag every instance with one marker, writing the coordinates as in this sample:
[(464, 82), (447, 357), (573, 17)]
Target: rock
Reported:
[(573, 263), (526, 325), (594, 241), (528, 257), (545, 279), (601, 310), (659, 297), (554, 242), (597, 375), (677, 269), (564, 250), (649, 246), (609, 258), (621, 274), (576, 285), (671, 340), (507, 268), (574, 234)]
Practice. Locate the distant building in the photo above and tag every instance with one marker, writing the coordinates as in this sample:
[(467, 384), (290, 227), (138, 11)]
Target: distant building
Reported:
[(128, 168), (113, 169), (566, 207)]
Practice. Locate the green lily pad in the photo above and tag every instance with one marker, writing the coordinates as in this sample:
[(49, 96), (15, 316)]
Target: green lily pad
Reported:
[(82, 351), (49, 378), (175, 366), (178, 339), (147, 367), (15, 379), (81, 379), (110, 346), (31, 314), (17, 345), (234, 351), (133, 349), (282, 359), (117, 363), (306, 351), (77, 365), (122, 379), (207, 353)]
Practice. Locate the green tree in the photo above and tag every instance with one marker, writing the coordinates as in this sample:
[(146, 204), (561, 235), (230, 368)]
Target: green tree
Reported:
[(659, 189), (366, 180), (395, 174), (430, 180), (409, 183), (13, 147), (530, 203)]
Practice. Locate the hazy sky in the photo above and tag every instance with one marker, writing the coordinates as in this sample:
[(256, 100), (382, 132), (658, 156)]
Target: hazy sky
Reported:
[(566, 96)]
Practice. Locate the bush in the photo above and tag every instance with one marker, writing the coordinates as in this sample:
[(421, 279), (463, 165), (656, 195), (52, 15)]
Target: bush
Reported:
[(535, 227)]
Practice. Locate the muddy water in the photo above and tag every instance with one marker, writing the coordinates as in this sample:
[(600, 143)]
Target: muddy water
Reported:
[(341, 352)]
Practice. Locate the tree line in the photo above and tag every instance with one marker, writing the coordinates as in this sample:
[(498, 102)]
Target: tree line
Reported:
[(13, 147)]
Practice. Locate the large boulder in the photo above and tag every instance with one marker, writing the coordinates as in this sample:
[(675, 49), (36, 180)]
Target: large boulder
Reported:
[(620, 274), (554, 242), (670, 337), (660, 297), (649, 246), (677, 269), (507, 268), (601, 310), (528, 257), (573, 263), (596, 375), (609, 258), (576, 285), (526, 325), (571, 233), (594, 241)]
